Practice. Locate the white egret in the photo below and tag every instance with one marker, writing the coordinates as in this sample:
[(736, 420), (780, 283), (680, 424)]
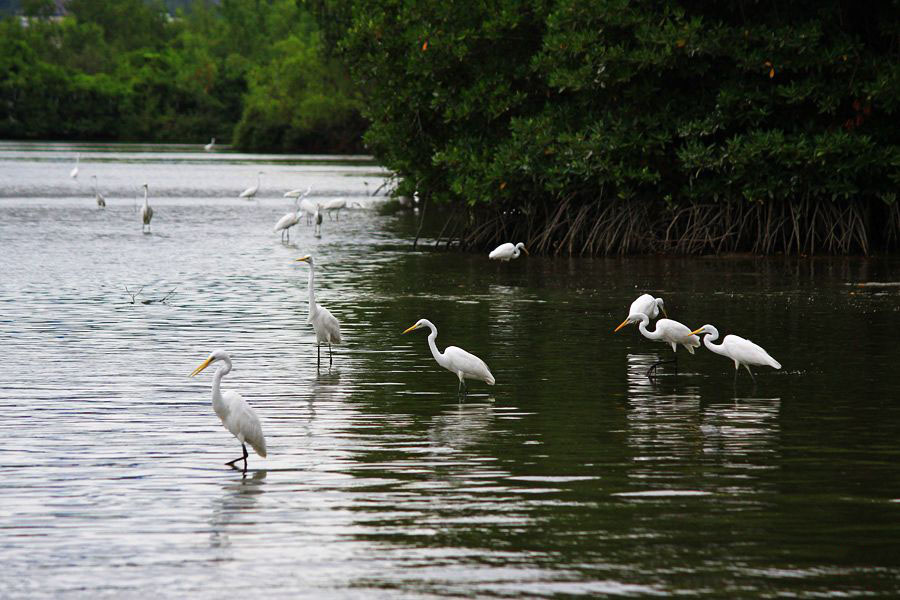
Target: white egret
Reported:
[(507, 251), (101, 201), (326, 326), (236, 415), (317, 219), (667, 331), (741, 351), (74, 172), (309, 208), (334, 206), (298, 193), (456, 360), (209, 147), (146, 211), (250, 192), (285, 223), (645, 304)]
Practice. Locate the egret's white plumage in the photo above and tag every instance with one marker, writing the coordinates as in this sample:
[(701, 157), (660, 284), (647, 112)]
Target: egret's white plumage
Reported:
[(334, 206), (285, 223), (645, 304), (236, 415), (208, 147), (667, 331), (74, 172), (742, 351), (507, 251), (464, 365), (309, 208), (326, 326), (101, 201), (298, 193), (317, 219), (250, 192), (146, 211)]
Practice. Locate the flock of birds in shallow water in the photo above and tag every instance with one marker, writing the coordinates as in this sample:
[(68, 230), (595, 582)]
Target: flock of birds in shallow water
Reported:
[(239, 418)]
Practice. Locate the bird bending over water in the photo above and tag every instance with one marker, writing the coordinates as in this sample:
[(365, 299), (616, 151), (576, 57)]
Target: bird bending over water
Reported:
[(250, 192), (741, 351), (236, 415), (645, 304), (667, 331), (326, 326), (146, 211), (464, 365), (507, 251)]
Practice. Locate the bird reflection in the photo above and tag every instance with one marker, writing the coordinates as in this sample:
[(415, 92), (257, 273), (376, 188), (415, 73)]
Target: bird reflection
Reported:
[(237, 504), (462, 425)]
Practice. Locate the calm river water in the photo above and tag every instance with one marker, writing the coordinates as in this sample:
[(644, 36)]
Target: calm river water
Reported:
[(574, 476)]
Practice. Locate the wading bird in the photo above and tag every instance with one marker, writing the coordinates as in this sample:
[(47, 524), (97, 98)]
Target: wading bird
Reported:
[(236, 415), (667, 331), (740, 350), (309, 209), (317, 219), (146, 211), (507, 251), (285, 223), (250, 192), (210, 145), (101, 201), (326, 326), (645, 304), (456, 360), (334, 206), (74, 172), (298, 193)]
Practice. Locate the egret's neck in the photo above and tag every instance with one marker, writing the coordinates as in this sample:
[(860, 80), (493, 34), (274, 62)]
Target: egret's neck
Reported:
[(650, 335), (145, 197), (433, 346), (312, 293), (516, 252), (708, 340), (223, 370)]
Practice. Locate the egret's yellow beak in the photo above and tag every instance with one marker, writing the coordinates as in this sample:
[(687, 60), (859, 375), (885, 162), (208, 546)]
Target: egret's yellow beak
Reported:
[(696, 331), (665, 314), (624, 323), (525, 250), (304, 259), (416, 326), (202, 366)]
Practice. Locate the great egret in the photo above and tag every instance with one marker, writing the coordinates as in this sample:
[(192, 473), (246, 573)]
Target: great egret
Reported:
[(317, 219), (212, 144), (667, 331), (236, 415), (285, 223), (298, 193), (507, 251), (146, 211), (250, 192), (101, 201), (327, 328), (309, 208), (645, 304), (740, 350), (456, 360), (74, 172), (335, 205)]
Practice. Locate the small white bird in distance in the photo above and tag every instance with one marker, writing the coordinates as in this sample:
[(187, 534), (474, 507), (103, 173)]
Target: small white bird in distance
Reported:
[(298, 193), (667, 331), (326, 326), (146, 211), (742, 351), (507, 251), (285, 223), (101, 201), (647, 305), (74, 172), (456, 360), (250, 192), (212, 144), (236, 415), (334, 206), (317, 219)]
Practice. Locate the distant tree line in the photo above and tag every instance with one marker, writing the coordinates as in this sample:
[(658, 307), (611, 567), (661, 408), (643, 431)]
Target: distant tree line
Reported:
[(252, 72), (614, 126)]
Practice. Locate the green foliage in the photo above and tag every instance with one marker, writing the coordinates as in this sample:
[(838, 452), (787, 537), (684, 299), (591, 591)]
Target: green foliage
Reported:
[(509, 106), (127, 70)]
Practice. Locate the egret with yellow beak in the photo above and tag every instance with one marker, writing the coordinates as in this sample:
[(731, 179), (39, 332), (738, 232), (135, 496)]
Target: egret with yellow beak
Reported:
[(236, 415), (456, 360), (742, 351), (647, 305), (326, 326)]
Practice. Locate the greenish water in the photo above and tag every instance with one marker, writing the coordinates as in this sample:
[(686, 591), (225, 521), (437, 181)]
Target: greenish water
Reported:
[(574, 476)]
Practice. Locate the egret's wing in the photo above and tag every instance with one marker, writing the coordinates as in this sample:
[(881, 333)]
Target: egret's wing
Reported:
[(326, 322), (746, 352), (471, 366), (644, 304), (243, 422), (284, 222), (502, 251)]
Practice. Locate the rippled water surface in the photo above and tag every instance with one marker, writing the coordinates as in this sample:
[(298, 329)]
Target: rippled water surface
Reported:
[(575, 475)]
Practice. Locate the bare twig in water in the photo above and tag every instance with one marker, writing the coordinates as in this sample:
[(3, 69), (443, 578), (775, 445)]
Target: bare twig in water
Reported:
[(133, 294)]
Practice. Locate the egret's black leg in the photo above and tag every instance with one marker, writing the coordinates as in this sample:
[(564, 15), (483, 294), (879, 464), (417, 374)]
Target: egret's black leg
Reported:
[(319, 355), (330, 356), (243, 458)]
